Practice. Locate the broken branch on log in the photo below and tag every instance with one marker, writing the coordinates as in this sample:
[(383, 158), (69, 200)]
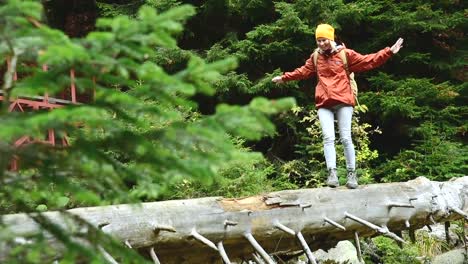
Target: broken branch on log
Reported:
[(208, 230)]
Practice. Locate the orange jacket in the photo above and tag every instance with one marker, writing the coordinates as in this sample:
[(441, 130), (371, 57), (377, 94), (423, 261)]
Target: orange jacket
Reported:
[(333, 83)]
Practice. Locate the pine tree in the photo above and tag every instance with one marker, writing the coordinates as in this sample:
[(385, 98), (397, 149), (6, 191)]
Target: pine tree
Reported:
[(138, 135), (419, 92)]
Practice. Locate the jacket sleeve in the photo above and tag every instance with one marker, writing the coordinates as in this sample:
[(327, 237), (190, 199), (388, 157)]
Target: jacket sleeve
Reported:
[(304, 72), (359, 63)]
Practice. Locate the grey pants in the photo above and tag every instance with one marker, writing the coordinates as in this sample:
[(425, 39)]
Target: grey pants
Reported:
[(344, 114)]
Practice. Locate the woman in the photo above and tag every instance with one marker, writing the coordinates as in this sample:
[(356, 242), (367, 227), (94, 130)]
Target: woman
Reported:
[(333, 94)]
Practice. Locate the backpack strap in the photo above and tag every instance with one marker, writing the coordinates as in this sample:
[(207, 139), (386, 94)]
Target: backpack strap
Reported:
[(343, 57), (353, 84), (315, 57)]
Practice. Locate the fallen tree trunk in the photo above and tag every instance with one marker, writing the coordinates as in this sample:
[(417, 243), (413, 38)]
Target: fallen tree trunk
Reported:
[(213, 229)]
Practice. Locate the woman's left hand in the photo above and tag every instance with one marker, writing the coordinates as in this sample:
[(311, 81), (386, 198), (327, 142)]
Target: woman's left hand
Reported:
[(397, 46)]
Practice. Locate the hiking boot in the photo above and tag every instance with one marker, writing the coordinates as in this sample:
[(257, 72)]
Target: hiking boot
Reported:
[(352, 182), (332, 180)]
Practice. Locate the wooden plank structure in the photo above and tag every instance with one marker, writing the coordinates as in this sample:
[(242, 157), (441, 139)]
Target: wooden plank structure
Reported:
[(220, 230), (37, 103)]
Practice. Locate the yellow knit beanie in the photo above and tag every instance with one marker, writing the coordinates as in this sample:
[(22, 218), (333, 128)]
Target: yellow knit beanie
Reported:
[(325, 31)]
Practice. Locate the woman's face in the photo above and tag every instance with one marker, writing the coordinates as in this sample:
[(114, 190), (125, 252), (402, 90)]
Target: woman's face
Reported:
[(323, 43)]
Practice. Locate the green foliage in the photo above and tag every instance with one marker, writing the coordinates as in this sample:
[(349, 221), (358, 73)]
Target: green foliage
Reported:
[(139, 135), (391, 253), (126, 8), (415, 123), (425, 248), (423, 82), (429, 115), (243, 176), (162, 5), (307, 170), (111, 9), (442, 161)]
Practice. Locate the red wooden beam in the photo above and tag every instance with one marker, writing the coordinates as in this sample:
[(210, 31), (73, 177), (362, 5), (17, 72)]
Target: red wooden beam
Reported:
[(36, 103)]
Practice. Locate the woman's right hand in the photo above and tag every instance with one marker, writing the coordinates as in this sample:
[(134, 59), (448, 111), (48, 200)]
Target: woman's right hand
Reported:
[(277, 79)]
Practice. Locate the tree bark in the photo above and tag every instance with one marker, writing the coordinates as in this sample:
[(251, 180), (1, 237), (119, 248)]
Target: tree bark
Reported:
[(197, 230)]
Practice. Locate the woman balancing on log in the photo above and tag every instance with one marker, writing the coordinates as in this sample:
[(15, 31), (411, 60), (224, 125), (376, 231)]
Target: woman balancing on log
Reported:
[(333, 65)]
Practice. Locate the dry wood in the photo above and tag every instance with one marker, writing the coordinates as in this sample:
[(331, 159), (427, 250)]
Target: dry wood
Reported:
[(190, 231)]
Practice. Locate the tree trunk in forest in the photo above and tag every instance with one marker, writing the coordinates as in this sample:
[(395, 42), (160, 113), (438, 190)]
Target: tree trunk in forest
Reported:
[(213, 229)]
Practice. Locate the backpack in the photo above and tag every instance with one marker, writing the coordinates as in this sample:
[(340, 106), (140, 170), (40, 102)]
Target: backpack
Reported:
[(343, 57)]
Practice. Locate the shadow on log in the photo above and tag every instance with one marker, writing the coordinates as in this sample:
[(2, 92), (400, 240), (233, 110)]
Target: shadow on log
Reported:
[(217, 230)]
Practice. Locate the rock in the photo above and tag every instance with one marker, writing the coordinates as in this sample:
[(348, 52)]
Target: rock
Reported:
[(438, 231), (457, 256), (344, 252)]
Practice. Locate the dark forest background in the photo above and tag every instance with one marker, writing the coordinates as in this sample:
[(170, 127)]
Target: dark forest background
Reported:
[(414, 122)]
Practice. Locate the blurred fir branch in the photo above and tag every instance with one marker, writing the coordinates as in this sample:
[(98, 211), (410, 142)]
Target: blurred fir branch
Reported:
[(139, 134)]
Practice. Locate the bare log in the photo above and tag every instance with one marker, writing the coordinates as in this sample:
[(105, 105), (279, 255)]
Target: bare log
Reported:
[(188, 231)]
